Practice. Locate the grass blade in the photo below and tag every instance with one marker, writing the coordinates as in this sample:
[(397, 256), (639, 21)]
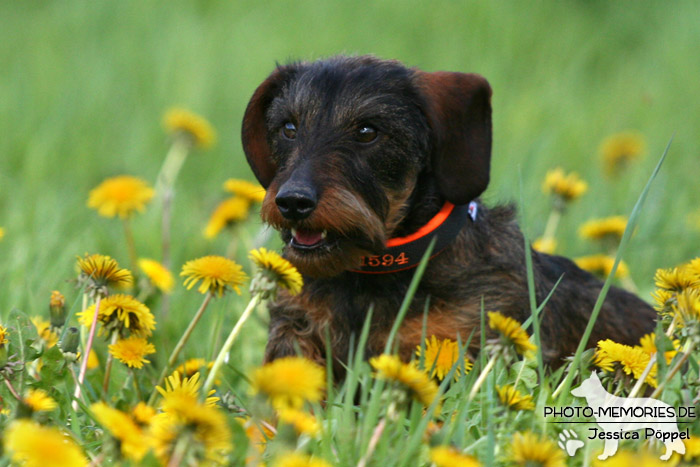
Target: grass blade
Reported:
[(631, 224)]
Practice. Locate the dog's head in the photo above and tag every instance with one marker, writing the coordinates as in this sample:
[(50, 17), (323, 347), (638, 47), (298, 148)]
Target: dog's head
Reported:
[(340, 145)]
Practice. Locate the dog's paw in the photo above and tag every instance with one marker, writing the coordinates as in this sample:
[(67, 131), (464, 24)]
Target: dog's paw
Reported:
[(568, 441)]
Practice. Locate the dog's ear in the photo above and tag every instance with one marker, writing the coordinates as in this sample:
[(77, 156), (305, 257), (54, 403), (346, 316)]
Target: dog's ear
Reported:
[(458, 108), (254, 129)]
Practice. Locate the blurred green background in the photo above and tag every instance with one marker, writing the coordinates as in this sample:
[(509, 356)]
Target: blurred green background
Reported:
[(84, 84)]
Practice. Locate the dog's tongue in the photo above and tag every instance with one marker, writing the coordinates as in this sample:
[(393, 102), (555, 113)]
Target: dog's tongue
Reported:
[(307, 237)]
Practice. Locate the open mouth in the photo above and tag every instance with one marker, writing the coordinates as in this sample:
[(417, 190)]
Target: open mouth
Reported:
[(305, 239)]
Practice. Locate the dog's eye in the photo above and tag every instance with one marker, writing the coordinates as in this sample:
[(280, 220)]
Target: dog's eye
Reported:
[(366, 134), (289, 130)]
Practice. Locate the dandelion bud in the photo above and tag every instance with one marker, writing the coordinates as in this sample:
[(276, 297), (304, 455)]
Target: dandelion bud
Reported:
[(69, 344), (57, 309), (264, 285)]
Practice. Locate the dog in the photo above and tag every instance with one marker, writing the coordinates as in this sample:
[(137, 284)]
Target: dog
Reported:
[(618, 415), (365, 161)]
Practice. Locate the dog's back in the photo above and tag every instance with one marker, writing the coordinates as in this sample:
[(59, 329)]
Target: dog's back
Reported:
[(358, 154)]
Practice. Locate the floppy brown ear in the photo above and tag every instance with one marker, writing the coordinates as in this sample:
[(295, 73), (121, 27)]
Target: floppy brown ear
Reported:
[(254, 128), (458, 107)]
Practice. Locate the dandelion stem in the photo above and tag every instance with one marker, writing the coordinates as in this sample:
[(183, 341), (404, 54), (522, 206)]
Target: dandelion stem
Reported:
[(482, 377), (552, 224), (130, 245), (180, 345), (374, 440), (11, 388), (179, 452), (108, 364), (556, 392), (172, 164), (638, 385), (168, 195), (229, 341), (672, 373), (136, 384), (164, 187), (88, 347)]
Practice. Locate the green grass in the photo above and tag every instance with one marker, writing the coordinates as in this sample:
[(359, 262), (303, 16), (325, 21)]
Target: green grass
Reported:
[(84, 84)]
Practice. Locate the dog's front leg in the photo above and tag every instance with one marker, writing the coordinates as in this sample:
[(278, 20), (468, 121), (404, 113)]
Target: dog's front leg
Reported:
[(290, 334)]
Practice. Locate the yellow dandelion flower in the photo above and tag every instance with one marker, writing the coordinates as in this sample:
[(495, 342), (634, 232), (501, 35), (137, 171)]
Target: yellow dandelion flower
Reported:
[(257, 433), (245, 189), (158, 274), (566, 186), (2, 233), (289, 381), (529, 449), (620, 149), (513, 399), (545, 245), (512, 332), (692, 448), (178, 388), (43, 328), (693, 267), (133, 441), (3, 335), (663, 299), (38, 400), (631, 360), (120, 196), (194, 127), (192, 366), (602, 265), (228, 212), (639, 458), (676, 279), (302, 422), (687, 307), (132, 351), (98, 272), (216, 273), (276, 270), (608, 227), (445, 456), (143, 413), (295, 459), (121, 312), (204, 426), (441, 355), (32, 445), (415, 381), (648, 345)]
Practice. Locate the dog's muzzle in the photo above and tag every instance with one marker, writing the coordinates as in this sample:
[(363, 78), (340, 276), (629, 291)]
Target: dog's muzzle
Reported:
[(296, 201)]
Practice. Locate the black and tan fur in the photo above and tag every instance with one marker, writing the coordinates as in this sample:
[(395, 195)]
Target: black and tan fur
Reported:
[(432, 143)]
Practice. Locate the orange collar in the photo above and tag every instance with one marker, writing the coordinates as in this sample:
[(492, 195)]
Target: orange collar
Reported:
[(404, 253)]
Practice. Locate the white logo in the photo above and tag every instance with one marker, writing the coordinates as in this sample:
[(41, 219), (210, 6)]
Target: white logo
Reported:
[(568, 441), (621, 417)]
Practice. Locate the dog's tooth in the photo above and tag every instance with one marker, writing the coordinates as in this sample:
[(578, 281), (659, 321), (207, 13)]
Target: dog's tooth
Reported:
[(294, 232), (324, 234)]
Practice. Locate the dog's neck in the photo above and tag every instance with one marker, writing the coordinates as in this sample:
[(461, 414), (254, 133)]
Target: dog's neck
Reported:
[(423, 227), (422, 205)]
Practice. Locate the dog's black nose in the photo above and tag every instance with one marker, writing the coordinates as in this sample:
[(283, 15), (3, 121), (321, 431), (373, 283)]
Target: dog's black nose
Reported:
[(296, 202)]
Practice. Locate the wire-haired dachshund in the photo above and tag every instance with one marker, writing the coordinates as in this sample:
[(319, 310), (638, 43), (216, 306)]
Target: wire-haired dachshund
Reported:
[(365, 161)]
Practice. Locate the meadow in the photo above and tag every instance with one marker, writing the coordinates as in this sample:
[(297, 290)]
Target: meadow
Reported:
[(84, 88)]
